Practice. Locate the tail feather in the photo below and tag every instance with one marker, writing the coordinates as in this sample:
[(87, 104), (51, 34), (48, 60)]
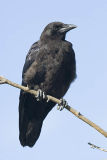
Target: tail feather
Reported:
[(29, 134)]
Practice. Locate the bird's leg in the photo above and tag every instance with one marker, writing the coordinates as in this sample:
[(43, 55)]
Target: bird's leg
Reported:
[(62, 105), (40, 95)]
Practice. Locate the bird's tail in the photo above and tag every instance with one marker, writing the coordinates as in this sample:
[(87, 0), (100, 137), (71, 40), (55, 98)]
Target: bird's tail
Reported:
[(29, 132)]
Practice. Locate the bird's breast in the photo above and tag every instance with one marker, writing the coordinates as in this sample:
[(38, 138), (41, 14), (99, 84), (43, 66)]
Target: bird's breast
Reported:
[(60, 73)]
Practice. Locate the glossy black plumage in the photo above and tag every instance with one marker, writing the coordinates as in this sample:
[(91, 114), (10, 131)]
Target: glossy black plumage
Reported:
[(50, 66)]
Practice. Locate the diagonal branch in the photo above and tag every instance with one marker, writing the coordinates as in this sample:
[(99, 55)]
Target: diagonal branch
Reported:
[(57, 101), (94, 146)]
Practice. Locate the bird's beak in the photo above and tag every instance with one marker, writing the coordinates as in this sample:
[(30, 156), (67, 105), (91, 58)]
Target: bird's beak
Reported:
[(67, 27)]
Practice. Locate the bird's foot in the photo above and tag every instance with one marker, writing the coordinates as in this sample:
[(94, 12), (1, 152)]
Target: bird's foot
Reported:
[(28, 88), (62, 105), (40, 95)]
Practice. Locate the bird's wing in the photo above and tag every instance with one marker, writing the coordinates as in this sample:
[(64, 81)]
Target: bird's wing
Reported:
[(33, 70), (30, 123), (31, 56), (23, 119)]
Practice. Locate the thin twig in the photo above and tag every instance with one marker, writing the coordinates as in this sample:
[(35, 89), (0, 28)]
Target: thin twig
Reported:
[(94, 146), (57, 101)]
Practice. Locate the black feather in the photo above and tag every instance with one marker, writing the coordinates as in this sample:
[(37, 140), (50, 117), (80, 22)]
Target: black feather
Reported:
[(50, 66)]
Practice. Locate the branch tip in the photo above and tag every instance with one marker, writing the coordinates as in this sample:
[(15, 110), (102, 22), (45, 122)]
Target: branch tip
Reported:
[(2, 80), (96, 147)]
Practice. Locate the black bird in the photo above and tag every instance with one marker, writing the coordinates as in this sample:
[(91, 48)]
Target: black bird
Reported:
[(50, 66)]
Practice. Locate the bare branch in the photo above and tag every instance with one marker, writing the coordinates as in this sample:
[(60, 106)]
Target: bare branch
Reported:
[(94, 146), (57, 101), (2, 80)]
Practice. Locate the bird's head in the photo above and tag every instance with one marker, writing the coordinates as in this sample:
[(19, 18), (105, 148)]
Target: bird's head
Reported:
[(56, 30)]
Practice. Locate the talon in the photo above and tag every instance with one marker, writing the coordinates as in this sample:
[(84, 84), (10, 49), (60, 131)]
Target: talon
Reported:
[(40, 95), (62, 105), (48, 99), (28, 87)]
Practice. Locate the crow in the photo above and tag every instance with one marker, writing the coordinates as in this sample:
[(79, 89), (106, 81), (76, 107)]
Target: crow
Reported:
[(50, 66)]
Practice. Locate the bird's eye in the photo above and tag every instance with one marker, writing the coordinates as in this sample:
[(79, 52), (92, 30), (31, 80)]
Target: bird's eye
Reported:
[(57, 27)]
